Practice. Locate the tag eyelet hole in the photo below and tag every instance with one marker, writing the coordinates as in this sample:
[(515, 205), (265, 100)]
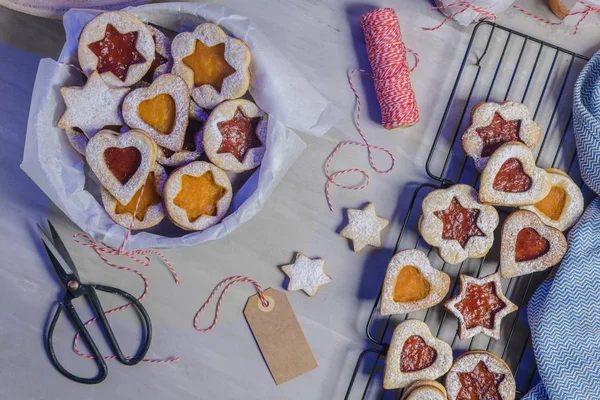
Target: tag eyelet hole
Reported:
[(270, 304)]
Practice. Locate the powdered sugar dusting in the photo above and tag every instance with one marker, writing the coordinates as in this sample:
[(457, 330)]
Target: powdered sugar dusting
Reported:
[(184, 156), (306, 274), (163, 47), (364, 227)]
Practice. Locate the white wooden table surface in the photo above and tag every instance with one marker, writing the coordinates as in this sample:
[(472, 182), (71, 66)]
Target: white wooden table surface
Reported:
[(324, 39)]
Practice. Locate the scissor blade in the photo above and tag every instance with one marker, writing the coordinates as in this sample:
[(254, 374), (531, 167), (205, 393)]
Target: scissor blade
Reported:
[(63, 270), (62, 250)]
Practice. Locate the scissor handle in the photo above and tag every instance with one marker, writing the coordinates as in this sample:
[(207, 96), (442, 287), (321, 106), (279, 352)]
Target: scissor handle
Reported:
[(67, 306)]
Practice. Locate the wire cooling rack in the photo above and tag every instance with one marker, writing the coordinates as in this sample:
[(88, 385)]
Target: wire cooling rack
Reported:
[(499, 64)]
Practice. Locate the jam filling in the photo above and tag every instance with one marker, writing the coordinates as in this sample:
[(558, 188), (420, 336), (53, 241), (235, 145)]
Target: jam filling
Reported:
[(553, 204), (511, 177), (416, 354), (159, 113), (479, 305), (209, 65), (530, 245), (411, 285), (123, 163), (239, 135), (497, 133), (199, 195), (460, 223), (149, 198), (480, 384), (116, 52)]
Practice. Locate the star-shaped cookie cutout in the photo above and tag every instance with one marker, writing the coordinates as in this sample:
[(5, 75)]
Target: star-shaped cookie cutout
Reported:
[(239, 135), (92, 106), (460, 223), (480, 306), (498, 132), (306, 274), (364, 227), (209, 65), (116, 52), (480, 380)]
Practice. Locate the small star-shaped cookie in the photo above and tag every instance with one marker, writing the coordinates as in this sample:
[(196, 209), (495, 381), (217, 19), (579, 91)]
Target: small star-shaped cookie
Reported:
[(306, 274), (364, 227), (92, 106)]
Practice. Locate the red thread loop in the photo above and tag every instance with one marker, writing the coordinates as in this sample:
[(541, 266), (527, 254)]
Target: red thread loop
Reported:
[(140, 257), (487, 14), (72, 66), (227, 283)]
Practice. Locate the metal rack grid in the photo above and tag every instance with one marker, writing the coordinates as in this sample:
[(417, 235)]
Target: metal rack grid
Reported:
[(499, 64)]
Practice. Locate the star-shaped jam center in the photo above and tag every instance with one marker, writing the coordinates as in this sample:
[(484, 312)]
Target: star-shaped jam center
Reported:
[(157, 62), (209, 65), (460, 223), (116, 52), (497, 133), (480, 383), (199, 195), (239, 135), (479, 305)]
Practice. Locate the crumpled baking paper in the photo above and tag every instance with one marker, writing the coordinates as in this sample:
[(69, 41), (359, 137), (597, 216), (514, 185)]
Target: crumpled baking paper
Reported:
[(469, 16), (276, 86)]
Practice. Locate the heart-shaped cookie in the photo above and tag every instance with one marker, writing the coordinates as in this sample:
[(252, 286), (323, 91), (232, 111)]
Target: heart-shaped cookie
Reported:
[(493, 124), (528, 245), (161, 110), (121, 162), (415, 354), (511, 178), (425, 390), (563, 206), (412, 284)]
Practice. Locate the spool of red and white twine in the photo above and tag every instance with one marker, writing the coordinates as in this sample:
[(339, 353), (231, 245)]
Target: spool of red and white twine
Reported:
[(391, 77)]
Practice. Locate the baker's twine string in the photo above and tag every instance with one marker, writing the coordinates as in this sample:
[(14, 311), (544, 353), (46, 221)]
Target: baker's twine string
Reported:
[(584, 14), (465, 5), (387, 55), (72, 66), (140, 257), (227, 283)]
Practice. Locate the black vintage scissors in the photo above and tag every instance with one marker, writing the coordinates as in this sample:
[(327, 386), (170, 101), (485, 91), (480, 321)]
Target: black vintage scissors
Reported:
[(67, 273)]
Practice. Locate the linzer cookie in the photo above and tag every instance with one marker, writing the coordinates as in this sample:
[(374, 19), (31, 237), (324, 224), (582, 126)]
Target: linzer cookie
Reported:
[(192, 142), (480, 375), (197, 195), (92, 106), (528, 245), (415, 354), (456, 223), (412, 284), (149, 210), (117, 45), (121, 162), (364, 227), (215, 66), (235, 135), (306, 274), (425, 390), (163, 61), (563, 206), (480, 306), (493, 124), (511, 178), (161, 110)]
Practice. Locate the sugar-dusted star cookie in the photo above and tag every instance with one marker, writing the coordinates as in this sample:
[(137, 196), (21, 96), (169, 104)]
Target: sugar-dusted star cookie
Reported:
[(306, 274), (364, 227), (92, 106)]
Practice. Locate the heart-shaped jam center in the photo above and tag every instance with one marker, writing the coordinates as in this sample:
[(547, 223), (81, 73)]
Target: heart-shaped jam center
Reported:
[(480, 383), (511, 177), (553, 204), (479, 305), (416, 354), (239, 135), (209, 65), (149, 198), (460, 223), (411, 285), (123, 162), (199, 195), (530, 245), (497, 133), (159, 113)]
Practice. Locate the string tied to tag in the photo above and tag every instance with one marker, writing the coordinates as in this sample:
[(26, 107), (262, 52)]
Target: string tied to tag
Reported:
[(226, 284), (391, 77), (589, 8), (463, 6), (139, 256)]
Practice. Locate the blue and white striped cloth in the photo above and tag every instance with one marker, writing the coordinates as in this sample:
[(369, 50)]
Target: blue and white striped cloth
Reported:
[(564, 313)]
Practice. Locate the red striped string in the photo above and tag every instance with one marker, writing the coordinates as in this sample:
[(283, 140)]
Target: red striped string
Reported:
[(391, 78), (227, 283), (584, 14), (72, 66), (140, 257), (465, 5)]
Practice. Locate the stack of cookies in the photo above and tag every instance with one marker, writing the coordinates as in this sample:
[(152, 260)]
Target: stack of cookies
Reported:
[(161, 121)]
